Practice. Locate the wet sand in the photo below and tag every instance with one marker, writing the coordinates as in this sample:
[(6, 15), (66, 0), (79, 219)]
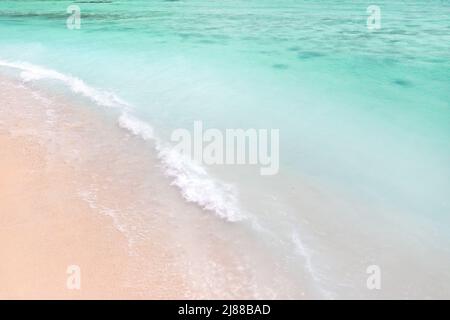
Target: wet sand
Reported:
[(47, 225)]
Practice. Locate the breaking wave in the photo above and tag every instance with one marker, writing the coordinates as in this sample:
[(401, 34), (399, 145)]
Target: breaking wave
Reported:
[(194, 182)]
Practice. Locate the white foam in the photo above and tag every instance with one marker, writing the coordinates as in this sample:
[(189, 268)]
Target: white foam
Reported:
[(194, 182), (306, 254), (30, 72), (301, 250), (89, 196), (136, 126)]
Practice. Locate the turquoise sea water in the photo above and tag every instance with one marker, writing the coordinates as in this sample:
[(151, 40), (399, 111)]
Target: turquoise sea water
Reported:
[(364, 116)]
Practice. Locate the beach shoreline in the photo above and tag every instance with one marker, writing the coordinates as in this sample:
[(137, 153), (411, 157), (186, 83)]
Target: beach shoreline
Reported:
[(132, 149), (82, 192), (48, 227), (85, 185)]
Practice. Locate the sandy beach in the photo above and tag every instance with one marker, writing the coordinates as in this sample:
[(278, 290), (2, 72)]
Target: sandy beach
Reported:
[(46, 226), (44, 231)]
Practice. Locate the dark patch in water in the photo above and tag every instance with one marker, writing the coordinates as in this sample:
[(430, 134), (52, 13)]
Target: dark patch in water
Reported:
[(293, 49), (309, 55), (34, 15), (402, 83), (93, 16), (280, 66)]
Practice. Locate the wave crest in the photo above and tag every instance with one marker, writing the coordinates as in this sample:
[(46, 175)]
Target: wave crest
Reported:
[(194, 182)]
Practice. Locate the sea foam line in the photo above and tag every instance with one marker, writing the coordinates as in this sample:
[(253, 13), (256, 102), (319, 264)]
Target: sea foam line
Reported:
[(306, 253), (193, 181), (32, 72)]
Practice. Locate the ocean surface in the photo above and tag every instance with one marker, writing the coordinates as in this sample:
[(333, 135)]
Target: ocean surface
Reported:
[(364, 120)]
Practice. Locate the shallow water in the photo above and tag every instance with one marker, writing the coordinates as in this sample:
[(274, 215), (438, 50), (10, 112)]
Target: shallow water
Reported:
[(364, 119)]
